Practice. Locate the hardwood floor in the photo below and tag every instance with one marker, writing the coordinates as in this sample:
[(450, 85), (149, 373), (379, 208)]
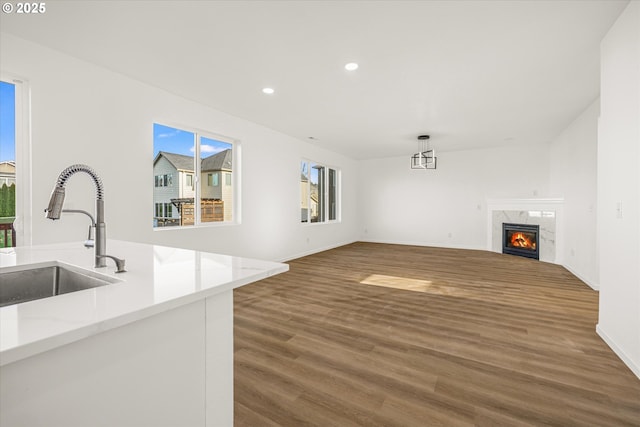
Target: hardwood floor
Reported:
[(481, 339)]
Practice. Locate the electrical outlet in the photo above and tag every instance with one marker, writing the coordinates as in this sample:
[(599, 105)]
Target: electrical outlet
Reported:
[(619, 210)]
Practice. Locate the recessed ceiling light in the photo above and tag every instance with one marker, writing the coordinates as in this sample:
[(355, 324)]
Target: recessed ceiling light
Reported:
[(351, 66), (268, 90)]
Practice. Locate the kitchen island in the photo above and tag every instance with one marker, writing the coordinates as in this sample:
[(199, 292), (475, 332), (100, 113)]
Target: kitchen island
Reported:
[(153, 349)]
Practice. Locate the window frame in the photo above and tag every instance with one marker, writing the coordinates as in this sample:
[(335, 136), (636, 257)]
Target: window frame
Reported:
[(165, 180), (213, 179), (23, 223), (199, 133), (162, 208), (324, 193)]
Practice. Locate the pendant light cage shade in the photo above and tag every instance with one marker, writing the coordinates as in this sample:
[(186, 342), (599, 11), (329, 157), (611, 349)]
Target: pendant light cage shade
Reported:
[(425, 158)]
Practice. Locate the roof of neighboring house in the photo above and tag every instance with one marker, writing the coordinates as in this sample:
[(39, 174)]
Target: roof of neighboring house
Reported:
[(8, 167), (178, 161), (219, 161)]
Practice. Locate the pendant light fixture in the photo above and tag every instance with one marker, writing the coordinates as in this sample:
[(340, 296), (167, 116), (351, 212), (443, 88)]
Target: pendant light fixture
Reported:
[(425, 158)]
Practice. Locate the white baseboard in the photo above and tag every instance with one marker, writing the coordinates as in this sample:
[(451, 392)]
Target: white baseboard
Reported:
[(415, 243), (315, 251), (618, 351), (388, 242), (594, 286)]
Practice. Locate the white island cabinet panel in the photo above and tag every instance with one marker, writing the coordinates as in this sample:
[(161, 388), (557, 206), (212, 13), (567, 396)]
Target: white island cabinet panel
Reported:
[(153, 349), (148, 373)]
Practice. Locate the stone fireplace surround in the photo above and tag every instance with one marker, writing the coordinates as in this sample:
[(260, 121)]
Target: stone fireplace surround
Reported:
[(547, 213)]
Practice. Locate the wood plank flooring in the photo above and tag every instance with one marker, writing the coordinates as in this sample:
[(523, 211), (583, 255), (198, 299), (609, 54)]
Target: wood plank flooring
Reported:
[(390, 335)]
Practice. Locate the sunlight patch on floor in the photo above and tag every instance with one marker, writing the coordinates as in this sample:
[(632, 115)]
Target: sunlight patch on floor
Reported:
[(407, 284)]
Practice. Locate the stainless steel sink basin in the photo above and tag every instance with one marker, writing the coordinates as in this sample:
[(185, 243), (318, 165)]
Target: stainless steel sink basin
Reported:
[(36, 281)]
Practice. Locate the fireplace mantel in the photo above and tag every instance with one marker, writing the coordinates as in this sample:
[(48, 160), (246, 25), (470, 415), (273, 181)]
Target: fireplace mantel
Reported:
[(525, 204), (545, 212)]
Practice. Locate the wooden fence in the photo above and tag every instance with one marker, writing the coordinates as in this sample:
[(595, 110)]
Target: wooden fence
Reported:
[(210, 210)]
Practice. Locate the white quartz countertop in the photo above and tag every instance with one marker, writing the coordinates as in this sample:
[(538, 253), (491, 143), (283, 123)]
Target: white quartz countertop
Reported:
[(158, 278)]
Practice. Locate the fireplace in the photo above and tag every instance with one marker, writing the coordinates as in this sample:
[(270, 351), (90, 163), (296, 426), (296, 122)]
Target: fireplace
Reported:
[(521, 239)]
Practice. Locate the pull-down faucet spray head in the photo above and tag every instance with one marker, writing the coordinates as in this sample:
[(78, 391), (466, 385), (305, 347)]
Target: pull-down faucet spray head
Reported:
[(54, 210)]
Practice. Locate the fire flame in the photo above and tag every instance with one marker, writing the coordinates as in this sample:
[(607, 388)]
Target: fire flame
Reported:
[(522, 240)]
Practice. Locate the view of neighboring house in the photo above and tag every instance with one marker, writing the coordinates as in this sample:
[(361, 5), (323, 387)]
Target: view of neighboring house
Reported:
[(7, 173), (216, 180), (173, 179), (308, 200), (174, 186)]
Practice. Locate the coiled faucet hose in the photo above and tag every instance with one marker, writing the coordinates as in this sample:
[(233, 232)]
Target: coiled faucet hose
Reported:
[(66, 174)]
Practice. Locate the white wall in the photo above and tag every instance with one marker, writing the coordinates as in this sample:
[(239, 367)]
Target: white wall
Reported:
[(573, 176), (619, 183), (83, 113), (447, 206)]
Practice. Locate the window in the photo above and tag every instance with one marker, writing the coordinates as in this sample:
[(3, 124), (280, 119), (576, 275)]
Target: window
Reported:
[(196, 198), (319, 193), (227, 179), (163, 180), (164, 210), (332, 201), (15, 197)]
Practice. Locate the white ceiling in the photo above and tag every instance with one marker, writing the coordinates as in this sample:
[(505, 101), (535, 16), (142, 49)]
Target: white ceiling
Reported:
[(470, 73)]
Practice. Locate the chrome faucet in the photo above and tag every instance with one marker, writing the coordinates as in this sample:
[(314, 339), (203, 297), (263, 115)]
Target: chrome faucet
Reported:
[(54, 210)]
